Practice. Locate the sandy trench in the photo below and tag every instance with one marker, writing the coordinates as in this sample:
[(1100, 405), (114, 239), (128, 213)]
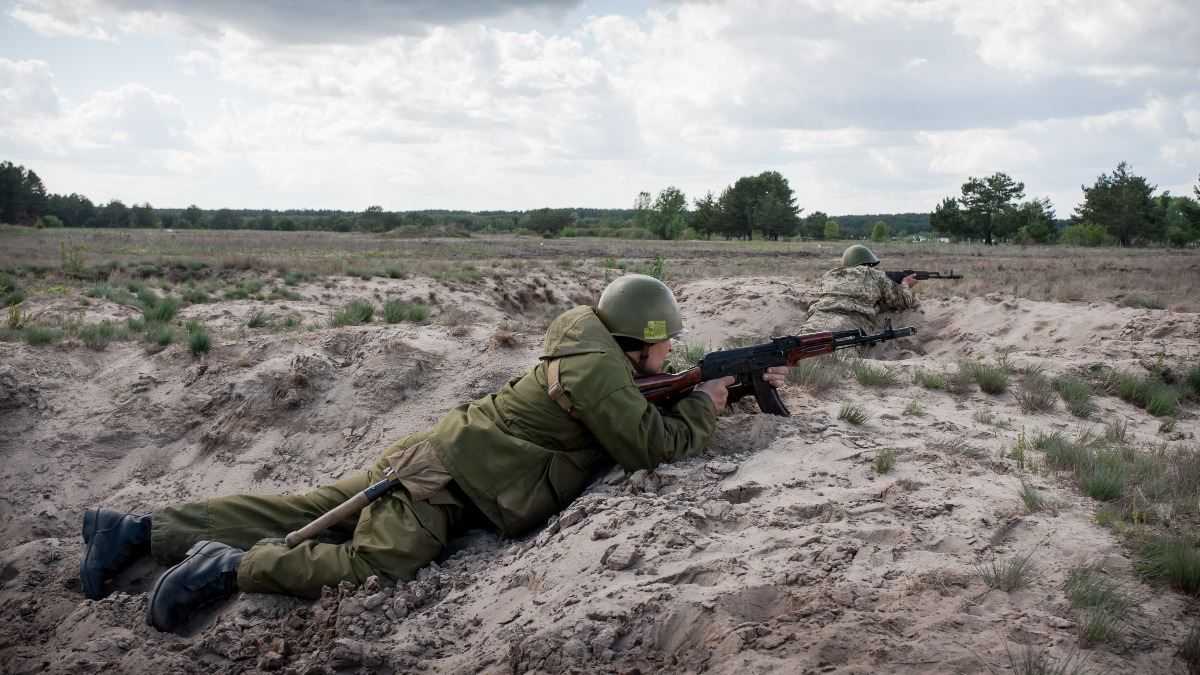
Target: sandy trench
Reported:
[(779, 550)]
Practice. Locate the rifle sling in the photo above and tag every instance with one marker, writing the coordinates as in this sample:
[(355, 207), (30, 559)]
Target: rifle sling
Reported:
[(555, 389)]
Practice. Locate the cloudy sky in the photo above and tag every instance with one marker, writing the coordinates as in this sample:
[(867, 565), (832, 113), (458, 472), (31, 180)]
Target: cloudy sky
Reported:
[(869, 106)]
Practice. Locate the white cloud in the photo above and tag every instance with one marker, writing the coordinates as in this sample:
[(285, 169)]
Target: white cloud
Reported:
[(878, 105), (58, 20), (26, 90)]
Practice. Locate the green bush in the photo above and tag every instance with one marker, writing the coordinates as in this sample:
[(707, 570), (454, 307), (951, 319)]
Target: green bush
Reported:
[(199, 339), (870, 375), (1076, 394), (162, 311), (40, 335), (1173, 560), (885, 460), (853, 414), (395, 311), (819, 374), (357, 312), (96, 335), (1086, 234), (991, 380)]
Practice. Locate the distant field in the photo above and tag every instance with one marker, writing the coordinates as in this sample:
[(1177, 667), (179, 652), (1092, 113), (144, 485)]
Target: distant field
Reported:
[(1141, 277)]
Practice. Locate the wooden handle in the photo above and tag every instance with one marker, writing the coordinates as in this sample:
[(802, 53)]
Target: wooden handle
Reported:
[(332, 517)]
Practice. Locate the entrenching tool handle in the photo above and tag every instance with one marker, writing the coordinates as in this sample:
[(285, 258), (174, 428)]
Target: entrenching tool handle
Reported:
[(341, 512)]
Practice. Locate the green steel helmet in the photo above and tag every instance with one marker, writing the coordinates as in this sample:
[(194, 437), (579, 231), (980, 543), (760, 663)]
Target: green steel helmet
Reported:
[(640, 307), (857, 255)]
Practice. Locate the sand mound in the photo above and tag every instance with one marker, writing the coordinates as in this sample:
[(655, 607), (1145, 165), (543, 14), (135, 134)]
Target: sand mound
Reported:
[(780, 549)]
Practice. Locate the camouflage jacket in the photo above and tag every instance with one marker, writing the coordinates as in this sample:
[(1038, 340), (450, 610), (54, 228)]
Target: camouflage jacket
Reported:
[(521, 458), (861, 293)]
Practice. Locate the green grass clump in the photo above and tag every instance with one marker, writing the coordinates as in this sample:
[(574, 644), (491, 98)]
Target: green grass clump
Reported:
[(1145, 303), (885, 460), (1062, 453), (870, 375), (1161, 399), (162, 310), (195, 295), (1192, 381), (40, 335), (395, 311), (258, 319), (1007, 574), (1034, 501), (1189, 651), (928, 379), (357, 312), (915, 409), (960, 381), (1037, 392), (199, 339), (113, 294), (1104, 478), (294, 278), (991, 379), (819, 374), (96, 335), (853, 414), (10, 292), (1076, 393), (1172, 560), (158, 335), (290, 321)]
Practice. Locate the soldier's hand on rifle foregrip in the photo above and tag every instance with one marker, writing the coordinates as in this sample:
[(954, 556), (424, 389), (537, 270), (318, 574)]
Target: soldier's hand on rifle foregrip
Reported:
[(776, 376), (717, 391), (910, 280)]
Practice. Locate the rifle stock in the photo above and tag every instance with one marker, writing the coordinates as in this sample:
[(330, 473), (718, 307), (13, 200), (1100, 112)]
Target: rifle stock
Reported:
[(747, 365)]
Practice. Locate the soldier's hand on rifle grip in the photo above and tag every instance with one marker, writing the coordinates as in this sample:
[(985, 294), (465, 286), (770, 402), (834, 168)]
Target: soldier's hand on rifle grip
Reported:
[(776, 376), (910, 280), (717, 391)]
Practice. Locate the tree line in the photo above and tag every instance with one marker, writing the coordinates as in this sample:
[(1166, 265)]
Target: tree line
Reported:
[(1119, 208)]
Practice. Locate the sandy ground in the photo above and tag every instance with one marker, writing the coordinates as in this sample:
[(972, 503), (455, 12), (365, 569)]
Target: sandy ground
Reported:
[(779, 550)]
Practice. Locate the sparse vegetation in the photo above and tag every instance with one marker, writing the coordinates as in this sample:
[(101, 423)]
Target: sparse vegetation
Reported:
[(914, 409), (928, 379), (871, 375), (395, 311), (40, 335), (991, 379), (1076, 394), (1005, 574), (885, 460), (258, 319), (819, 374), (96, 335), (853, 414), (1036, 394), (356, 313), (199, 339), (1034, 501), (1170, 559)]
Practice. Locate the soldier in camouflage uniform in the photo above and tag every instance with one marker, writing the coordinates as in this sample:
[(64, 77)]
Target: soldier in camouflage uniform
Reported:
[(510, 459), (853, 295)]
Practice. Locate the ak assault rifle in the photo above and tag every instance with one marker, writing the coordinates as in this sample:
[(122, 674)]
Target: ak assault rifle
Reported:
[(898, 275), (748, 364)]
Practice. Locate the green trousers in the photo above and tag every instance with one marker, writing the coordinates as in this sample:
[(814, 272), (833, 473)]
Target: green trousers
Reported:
[(391, 539)]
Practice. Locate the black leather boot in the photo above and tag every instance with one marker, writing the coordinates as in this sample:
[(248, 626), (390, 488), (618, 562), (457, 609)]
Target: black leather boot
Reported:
[(207, 574), (114, 540)]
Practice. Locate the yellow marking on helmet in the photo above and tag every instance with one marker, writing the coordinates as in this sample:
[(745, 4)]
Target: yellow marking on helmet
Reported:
[(655, 330)]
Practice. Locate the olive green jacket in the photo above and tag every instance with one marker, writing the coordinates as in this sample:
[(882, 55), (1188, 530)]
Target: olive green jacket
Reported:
[(521, 458)]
